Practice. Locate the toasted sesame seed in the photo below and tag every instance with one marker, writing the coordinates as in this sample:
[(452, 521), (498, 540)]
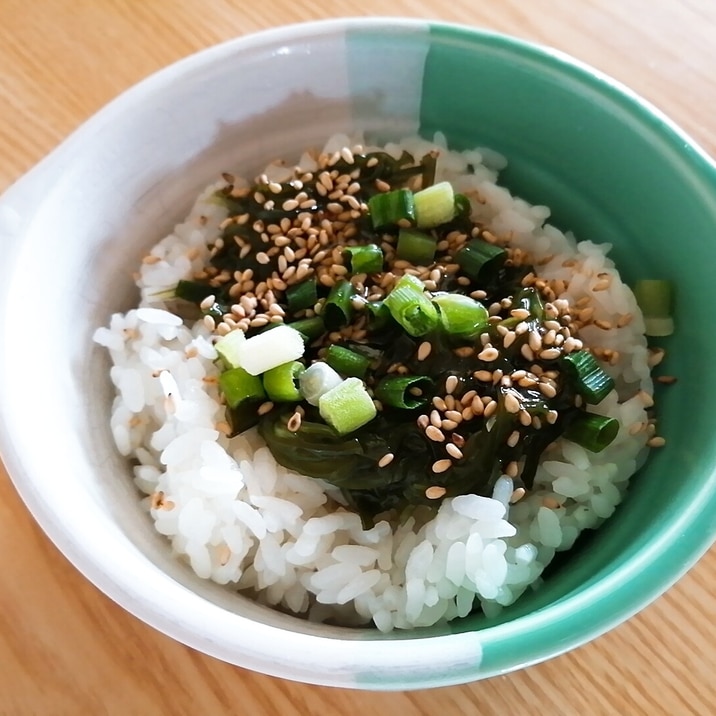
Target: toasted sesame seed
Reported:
[(458, 439), (208, 302), (449, 424), (514, 438), (467, 398), (535, 341), (656, 442), (509, 339), (262, 257), (490, 409), (477, 406), (454, 415), (550, 354), (604, 325), (434, 434), (521, 328), (435, 492), (294, 422), (667, 379), (439, 403), (209, 323), (484, 376), (512, 403), (552, 416), (489, 354), (441, 466), (454, 451), (386, 459), (512, 469), (527, 352), (525, 418), (423, 421), (520, 313), (451, 383), (265, 408), (435, 418), (424, 350)]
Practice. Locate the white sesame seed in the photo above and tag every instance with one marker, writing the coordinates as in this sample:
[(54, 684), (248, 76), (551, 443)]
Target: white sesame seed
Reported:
[(386, 459), (440, 466), (424, 350), (489, 354), (454, 451), (439, 403), (435, 492), (434, 434), (451, 383), (512, 403)]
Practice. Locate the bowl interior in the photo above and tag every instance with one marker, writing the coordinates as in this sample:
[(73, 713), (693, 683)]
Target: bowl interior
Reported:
[(611, 170)]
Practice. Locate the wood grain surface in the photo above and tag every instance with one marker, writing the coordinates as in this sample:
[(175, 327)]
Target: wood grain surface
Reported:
[(67, 649)]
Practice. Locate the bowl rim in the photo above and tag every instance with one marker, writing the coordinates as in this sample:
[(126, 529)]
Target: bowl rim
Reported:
[(625, 591)]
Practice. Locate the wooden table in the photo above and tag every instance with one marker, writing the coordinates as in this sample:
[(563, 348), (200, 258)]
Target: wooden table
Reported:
[(64, 647)]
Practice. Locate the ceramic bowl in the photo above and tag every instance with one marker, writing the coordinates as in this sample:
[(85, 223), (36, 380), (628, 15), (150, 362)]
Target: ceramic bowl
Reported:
[(612, 168)]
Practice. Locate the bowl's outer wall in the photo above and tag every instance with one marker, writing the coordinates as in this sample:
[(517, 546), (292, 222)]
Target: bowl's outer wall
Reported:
[(612, 170)]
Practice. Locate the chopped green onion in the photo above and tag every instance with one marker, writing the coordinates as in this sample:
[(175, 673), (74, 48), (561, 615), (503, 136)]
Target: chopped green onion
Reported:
[(435, 205), (461, 315), (280, 382), (302, 295), (347, 406), (655, 298), (378, 314), (593, 432), (590, 379), (271, 348), (316, 380), (338, 308), (411, 307), (404, 391), (309, 328), (228, 347), (346, 361), (479, 259), (238, 386), (391, 208), (416, 247), (367, 258)]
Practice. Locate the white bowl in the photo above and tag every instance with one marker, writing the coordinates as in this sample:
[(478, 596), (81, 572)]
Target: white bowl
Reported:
[(73, 231)]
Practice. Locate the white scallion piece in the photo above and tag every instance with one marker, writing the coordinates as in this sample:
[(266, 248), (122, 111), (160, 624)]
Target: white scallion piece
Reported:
[(270, 349), (228, 347), (434, 205), (316, 380)]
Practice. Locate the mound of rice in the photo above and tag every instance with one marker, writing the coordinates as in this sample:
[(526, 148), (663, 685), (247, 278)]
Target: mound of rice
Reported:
[(240, 519)]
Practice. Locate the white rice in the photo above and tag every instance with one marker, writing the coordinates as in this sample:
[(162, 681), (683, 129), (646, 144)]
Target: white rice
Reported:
[(240, 519)]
